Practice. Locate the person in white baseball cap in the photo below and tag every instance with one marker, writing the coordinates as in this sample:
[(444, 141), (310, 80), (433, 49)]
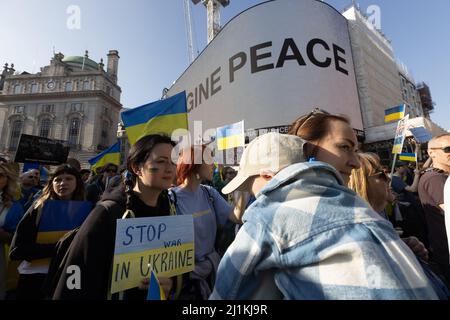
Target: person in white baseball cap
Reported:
[(308, 236), (263, 158)]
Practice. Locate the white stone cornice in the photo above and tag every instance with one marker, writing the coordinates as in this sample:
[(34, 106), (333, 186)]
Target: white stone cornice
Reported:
[(46, 115), (19, 116), (74, 114), (58, 95)]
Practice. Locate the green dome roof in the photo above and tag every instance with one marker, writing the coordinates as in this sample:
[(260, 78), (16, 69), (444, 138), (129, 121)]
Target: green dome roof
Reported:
[(78, 60)]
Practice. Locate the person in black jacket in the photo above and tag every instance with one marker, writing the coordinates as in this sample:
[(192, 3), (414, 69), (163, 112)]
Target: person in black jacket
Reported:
[(143, 193), (64, 184)]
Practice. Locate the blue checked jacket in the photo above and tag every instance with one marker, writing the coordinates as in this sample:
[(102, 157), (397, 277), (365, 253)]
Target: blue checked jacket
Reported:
[(308, 237)]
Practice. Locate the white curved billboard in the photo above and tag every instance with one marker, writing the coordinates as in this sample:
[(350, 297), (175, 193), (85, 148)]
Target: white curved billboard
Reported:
[(271, 64)]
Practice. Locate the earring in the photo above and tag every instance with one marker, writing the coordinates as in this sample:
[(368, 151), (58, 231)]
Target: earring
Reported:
[(197, 176)]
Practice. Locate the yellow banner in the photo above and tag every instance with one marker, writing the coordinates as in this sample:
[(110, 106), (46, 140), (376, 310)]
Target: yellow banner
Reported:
[(129, 269)]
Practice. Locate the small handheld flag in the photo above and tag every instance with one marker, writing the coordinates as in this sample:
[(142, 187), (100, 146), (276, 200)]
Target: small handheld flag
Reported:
[(162, 116), (155, 292), (110, 155), (231, 136), (411, 157), (421, 134), (394, 114)]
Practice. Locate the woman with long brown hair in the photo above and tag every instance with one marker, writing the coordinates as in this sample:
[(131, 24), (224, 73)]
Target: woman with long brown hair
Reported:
[(64, 184), (10, 214)]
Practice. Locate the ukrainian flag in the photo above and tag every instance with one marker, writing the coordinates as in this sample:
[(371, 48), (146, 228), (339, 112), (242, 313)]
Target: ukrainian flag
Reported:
[(57, 218), (395, 113), (163, 116), (155, 292), (411, 157), (231, 136), (110, 155)]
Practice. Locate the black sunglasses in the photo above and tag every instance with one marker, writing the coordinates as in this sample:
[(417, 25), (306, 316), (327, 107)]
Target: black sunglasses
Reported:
[(445, 149), (111, 170)]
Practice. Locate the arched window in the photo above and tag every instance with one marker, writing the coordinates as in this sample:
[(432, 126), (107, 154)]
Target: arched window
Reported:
[(74, 131), (68, 86), (44, 131), (16, 130), (34, 88), (17, 89)]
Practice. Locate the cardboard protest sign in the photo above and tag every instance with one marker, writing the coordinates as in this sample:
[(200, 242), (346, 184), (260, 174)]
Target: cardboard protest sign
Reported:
[(41, 150), (162, 244), (400, 135)]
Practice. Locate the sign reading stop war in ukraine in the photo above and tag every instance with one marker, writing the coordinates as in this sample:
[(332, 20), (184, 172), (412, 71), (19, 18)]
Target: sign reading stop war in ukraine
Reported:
[(162, 244)]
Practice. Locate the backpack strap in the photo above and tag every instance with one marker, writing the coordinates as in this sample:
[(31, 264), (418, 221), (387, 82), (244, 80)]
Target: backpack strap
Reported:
[(172, 202), (173, 212), (210, 198)]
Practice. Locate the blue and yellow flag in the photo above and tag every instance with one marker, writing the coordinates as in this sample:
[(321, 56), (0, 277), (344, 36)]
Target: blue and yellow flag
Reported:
[(231, 136), (394, 114), (411, 157), (163, 116), (110, 155), (57, 218), (155, 292)]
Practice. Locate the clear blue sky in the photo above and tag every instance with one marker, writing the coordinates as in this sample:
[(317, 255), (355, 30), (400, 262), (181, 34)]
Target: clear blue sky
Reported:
[(151, 38)]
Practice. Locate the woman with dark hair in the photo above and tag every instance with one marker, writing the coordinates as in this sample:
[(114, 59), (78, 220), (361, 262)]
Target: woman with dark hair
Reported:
[(142, 193), (209, 210), (64, 184), (10, 214)]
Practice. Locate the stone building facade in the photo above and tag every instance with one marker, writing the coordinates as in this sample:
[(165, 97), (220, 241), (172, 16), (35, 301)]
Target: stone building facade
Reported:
[(72, 99)]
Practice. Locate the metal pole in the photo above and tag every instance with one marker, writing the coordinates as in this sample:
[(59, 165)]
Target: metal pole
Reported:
[(393, 167)]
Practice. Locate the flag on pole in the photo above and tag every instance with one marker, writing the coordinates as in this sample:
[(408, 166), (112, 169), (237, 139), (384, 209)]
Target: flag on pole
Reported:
[(110, 155), (155, 292), (411, 157), (163, 116), (421, 134), (231, 136), (394, 114)]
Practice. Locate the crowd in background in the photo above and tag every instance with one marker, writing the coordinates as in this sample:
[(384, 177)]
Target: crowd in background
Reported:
[(305, 216)]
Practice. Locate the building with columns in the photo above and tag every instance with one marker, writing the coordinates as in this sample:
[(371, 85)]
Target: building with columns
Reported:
[(72, 99)]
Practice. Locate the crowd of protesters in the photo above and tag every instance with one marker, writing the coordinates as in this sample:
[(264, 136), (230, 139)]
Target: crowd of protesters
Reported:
[(306, 215)]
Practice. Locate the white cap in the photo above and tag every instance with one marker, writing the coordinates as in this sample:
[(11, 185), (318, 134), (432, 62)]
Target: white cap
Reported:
[(270, 152)]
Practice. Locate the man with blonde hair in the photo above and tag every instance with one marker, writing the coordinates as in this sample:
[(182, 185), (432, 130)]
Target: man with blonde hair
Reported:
[(431, 193)]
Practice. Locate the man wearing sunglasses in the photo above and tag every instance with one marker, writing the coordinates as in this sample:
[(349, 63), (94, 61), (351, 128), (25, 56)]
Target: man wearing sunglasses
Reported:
[(431, 193)]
